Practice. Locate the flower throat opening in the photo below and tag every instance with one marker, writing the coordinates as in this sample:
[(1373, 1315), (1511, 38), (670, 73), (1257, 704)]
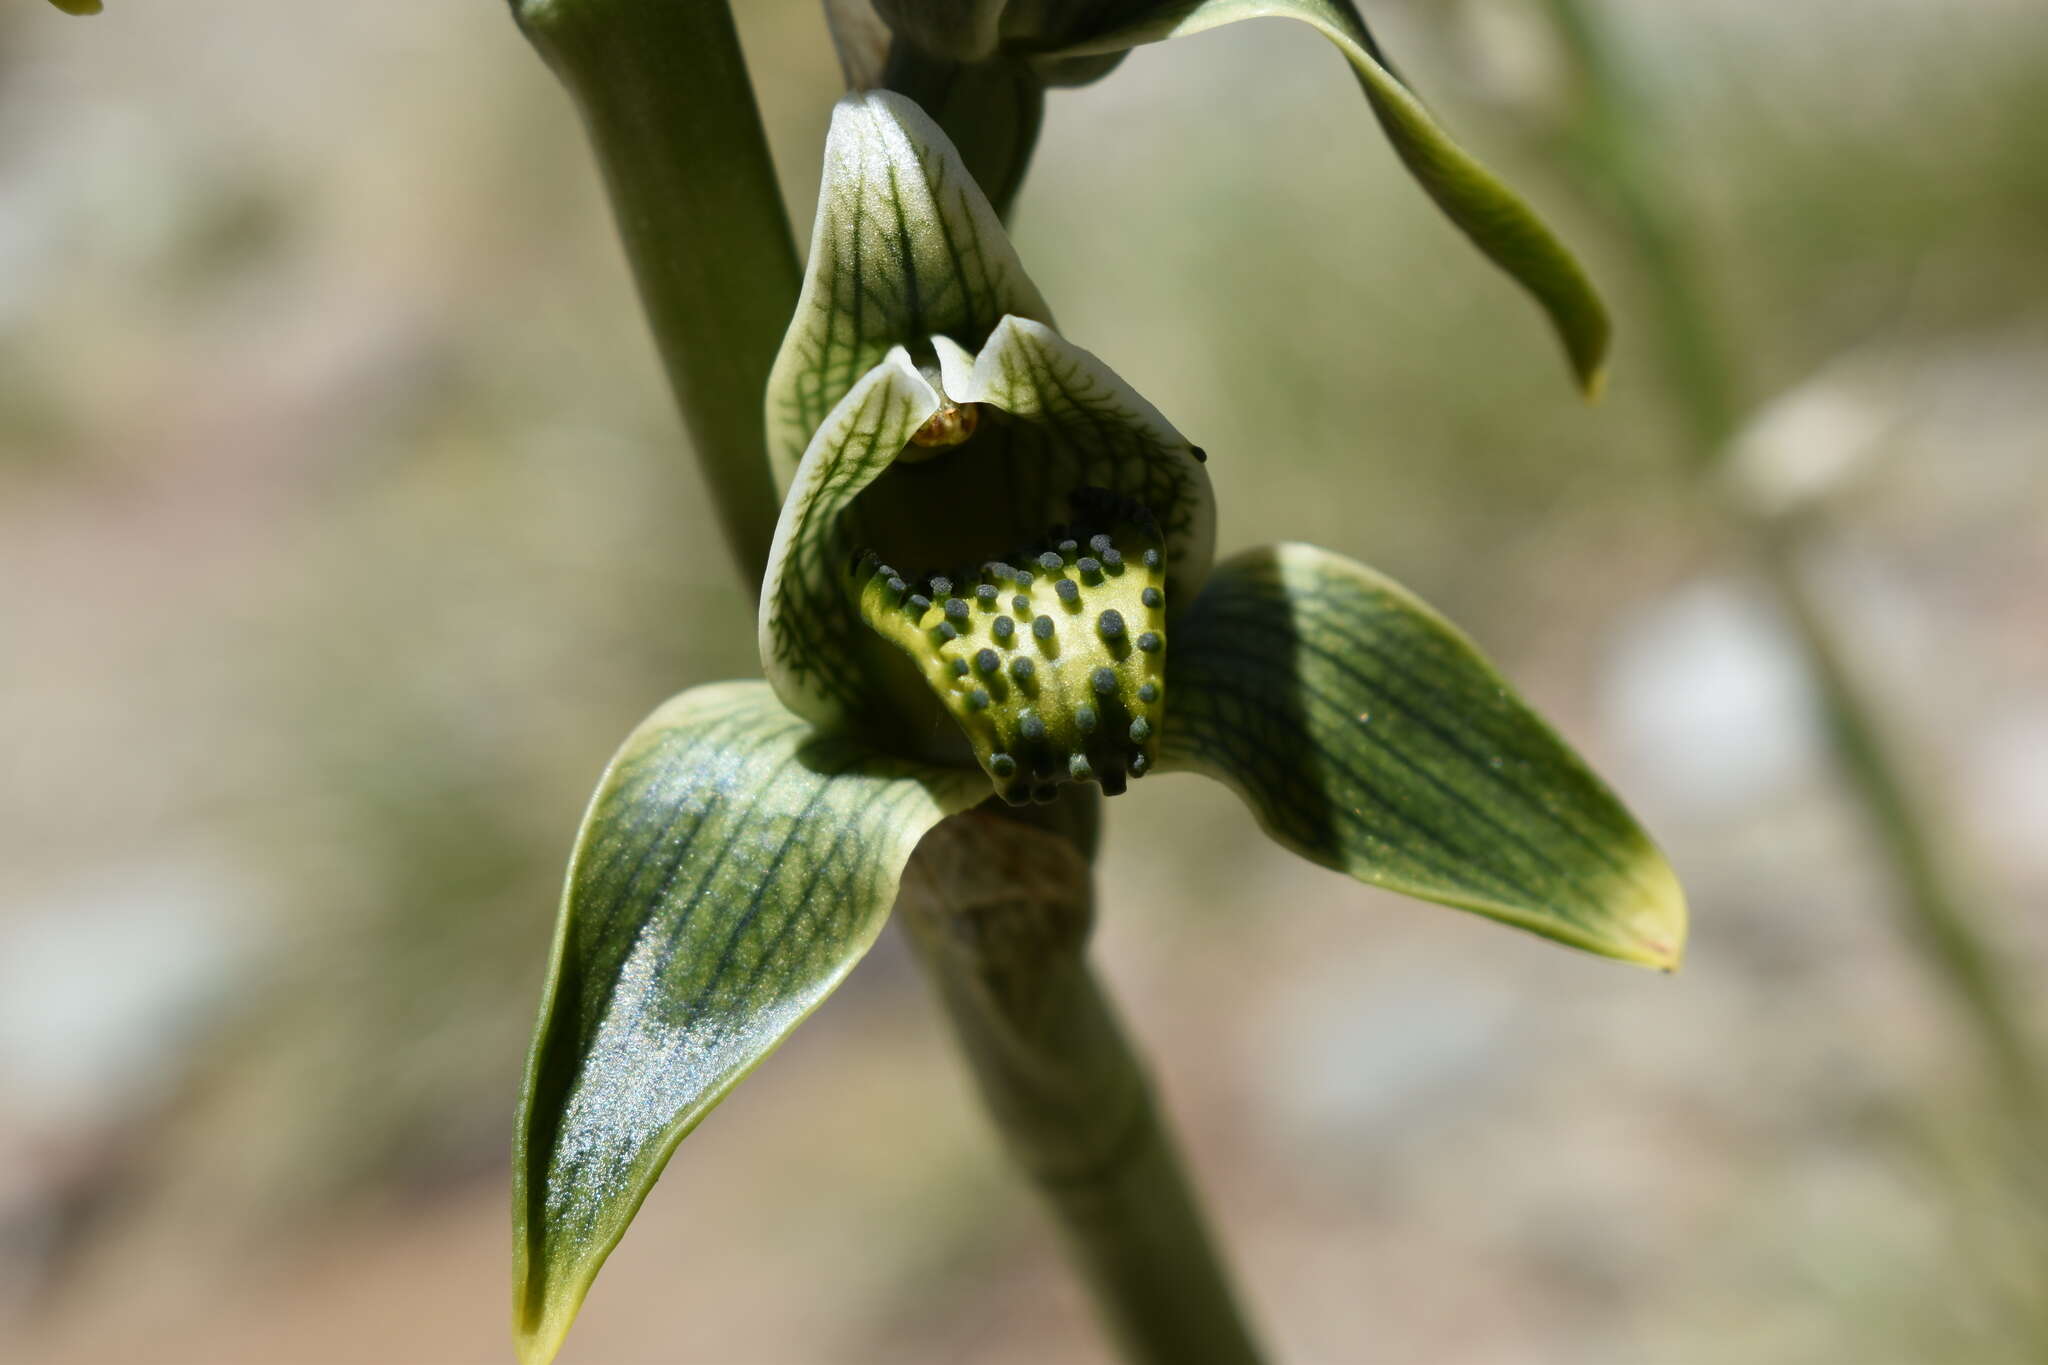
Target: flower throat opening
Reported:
[(1052, 659)]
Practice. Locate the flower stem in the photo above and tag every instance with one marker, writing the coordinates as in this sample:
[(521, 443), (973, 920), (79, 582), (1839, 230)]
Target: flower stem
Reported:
[(1000, 911), (663, 91), (1619, 160)]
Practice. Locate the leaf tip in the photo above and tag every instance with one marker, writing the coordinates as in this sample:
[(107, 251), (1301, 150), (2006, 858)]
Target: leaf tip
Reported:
[(1593, 382), (540, 1327), (1653, 925)]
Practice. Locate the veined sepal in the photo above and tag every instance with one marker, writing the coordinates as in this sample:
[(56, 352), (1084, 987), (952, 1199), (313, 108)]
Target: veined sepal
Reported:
[(1369, 735), (733, 866), (905, 248)]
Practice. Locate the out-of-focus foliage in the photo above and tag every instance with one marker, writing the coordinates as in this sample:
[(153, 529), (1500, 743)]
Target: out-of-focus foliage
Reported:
[(343, 528)]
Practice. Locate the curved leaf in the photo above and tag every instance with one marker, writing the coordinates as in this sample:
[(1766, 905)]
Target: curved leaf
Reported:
[(732, 868), (905, 248), (1502, 226), (1369, 735)]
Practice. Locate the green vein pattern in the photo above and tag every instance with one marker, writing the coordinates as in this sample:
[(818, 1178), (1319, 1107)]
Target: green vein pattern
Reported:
[(1367, 734), (905, 247), (812, 639), (732, 868)]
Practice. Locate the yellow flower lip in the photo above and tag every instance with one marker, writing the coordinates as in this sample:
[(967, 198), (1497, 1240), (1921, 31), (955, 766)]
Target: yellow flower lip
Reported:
[(1053, 663)]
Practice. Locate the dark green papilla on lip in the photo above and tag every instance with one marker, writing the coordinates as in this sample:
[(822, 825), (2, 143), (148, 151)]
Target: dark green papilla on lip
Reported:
[(747, 842)]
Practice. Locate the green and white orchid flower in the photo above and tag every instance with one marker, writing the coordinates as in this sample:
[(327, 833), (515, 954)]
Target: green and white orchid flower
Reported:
[(993, 576), (1039, 43)]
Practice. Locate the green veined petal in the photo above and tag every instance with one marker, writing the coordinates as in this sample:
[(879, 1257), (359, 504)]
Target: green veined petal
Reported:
[(1505, 228), (812, 641), (1090, 428), (905, 248), (1369, 735), (733, 866)]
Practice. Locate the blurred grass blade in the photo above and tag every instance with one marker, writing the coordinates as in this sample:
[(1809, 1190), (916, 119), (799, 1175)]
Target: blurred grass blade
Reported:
[(1496, 219), (1368, 735), (906, 247), (664, 94), (733, 867)]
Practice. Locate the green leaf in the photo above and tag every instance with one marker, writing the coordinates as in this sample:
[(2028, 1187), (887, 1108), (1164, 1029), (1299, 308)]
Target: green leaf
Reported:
[(1370, 736), (905, 248), (1502, 226), (733, 866)]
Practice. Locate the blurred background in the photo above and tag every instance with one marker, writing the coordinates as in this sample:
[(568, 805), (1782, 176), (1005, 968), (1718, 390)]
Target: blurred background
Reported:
[(345, 528)]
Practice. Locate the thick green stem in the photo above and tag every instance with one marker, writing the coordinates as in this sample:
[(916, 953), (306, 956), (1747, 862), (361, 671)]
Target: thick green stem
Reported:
[(1000, 913), (663, 91), (1619, 160)]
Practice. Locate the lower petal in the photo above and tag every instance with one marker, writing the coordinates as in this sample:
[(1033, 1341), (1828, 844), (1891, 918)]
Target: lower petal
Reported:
[(1369, 735), (733, 867)]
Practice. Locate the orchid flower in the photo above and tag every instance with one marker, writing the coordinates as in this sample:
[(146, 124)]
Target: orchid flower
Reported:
[(993, 578)]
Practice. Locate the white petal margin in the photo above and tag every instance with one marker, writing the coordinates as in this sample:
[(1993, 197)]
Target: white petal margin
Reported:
[(811, 638), (1096, 430), (905, 248)]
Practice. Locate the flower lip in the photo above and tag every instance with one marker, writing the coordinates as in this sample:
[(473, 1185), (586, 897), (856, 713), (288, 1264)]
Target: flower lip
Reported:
[(1052, 421), (1051, 660)]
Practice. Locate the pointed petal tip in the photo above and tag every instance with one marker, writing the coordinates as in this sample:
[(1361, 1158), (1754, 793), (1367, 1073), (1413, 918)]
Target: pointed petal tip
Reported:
[(541, 1346), (1654, 928), (1593, 383), (547, 1296), (539, 1329)]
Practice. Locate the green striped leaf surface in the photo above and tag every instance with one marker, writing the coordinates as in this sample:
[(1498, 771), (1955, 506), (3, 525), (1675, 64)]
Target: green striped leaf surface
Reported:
[(1367, 734), (732, 869)]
